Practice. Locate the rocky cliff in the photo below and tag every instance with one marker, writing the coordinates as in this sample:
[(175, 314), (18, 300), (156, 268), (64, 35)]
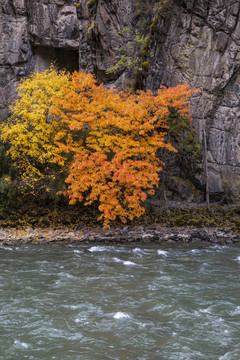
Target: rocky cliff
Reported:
[(140, 44)]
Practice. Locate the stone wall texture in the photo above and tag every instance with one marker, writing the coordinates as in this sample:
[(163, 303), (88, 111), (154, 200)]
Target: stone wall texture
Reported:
[(194, 41)]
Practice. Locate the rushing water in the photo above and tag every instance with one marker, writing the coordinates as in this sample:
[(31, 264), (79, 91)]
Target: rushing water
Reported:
[(120, 302)]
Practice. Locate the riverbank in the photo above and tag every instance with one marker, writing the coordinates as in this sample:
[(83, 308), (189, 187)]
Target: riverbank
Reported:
[(118, 235), (73, 225)]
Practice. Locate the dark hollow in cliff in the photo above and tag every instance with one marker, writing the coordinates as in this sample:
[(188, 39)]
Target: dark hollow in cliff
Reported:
[(63, 58)]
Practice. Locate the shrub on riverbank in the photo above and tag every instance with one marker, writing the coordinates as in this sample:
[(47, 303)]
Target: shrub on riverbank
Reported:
[(102, 142)]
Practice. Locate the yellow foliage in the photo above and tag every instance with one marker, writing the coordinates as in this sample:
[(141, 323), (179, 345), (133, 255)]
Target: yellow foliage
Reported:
[(31, 129)]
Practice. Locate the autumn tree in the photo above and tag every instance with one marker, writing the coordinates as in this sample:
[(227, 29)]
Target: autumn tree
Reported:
[(30, 131), (112, 138)]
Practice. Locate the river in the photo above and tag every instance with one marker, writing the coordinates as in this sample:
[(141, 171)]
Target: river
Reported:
[(142, 302)]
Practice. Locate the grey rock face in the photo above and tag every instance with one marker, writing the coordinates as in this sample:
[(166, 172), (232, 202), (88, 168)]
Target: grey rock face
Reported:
[(14, 50), (201, 47), (34, 34), (193, 41)]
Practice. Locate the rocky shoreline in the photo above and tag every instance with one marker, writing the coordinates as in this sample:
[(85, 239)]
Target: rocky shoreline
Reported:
[(119, 235)]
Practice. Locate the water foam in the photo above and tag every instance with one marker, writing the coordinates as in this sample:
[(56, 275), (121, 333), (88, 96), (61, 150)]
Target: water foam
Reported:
[(162, 252), (21, 344), (98, 248), (72, 307), (238, 259), (121, 315), (77, 251), (7, 248), (82, 319), (195, 251), (227, 356), (236, 311), (67, 275), (139, 252), (127, 262), (206, 311)]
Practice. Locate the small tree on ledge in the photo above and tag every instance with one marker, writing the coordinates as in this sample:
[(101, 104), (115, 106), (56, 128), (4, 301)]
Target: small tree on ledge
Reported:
[(110, 140)]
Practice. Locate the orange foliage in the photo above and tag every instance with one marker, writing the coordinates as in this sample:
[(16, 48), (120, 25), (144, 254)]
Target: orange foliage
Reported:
[(112, 138)]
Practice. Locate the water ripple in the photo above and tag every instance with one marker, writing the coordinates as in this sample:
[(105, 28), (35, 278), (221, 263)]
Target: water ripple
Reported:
[(120, 302)]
